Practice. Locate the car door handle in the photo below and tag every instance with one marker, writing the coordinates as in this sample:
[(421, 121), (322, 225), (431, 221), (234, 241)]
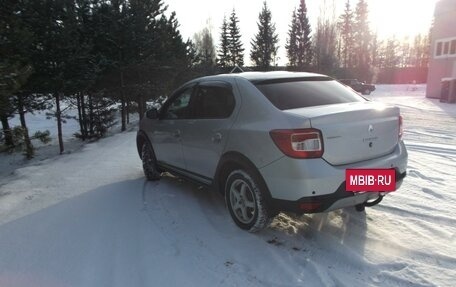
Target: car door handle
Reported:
[(177, 134), (217, 138)]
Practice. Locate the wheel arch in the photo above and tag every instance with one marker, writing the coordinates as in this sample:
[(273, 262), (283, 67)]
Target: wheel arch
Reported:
[(231, 160)]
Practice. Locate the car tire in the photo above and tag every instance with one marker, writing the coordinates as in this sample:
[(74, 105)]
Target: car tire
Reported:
[(149, 162), (367, 92), (246, 201)]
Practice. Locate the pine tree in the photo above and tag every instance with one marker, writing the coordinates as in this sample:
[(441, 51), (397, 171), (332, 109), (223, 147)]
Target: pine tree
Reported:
[(235, 43), (140, 23), (346, 23), (223, 56), (173, 50), (93, 51), (375, 50), (292, 44), (264, 45), (14, 44), (61, 63), (420, 51), (391, 53)]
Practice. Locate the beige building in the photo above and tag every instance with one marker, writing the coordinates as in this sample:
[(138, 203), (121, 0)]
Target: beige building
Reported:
[(442, 62)]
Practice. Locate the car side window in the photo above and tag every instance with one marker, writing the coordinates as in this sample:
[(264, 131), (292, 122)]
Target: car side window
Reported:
[(179, 108), (213, 102)]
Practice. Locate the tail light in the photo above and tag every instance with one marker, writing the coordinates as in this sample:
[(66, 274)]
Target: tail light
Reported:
[(299, 143), (401, 127)]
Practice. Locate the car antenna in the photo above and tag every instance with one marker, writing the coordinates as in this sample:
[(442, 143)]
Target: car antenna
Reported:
[(236, 67)]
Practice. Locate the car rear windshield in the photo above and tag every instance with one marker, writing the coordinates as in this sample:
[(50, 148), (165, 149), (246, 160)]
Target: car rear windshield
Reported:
[(296, 93)]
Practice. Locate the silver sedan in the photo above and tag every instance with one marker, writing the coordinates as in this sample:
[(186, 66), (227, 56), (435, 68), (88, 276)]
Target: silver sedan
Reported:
[(272, 142)]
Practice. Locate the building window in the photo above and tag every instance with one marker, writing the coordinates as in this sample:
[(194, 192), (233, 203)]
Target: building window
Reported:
[(453, 47), (446, 48), (438, 51)]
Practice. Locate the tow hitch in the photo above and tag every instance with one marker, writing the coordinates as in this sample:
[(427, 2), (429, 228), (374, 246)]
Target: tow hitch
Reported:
[(361, 207)]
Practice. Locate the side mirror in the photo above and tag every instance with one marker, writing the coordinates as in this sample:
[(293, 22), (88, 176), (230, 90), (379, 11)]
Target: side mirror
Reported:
[(152, 114)]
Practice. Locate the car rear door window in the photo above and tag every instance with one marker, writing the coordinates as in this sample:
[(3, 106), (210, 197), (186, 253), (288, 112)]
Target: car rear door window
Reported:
[(213, 101), (297, 93)]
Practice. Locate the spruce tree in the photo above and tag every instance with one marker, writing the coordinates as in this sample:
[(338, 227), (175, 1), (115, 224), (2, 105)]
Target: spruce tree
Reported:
[(235, 43), (292, 44), (264, 45), (346, 23), (325, 41), (299, 44), (362, 39), (223, 56), (304, 43), (87, 50)]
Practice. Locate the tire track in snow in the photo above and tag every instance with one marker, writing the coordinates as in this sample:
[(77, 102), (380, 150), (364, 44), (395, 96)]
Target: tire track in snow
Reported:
[(435, 149), (335, 243), (432, 193), (438, 134), (429, 218), (415, 173)]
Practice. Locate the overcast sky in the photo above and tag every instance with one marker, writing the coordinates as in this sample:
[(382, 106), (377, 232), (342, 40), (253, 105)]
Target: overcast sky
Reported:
[(387, 17)]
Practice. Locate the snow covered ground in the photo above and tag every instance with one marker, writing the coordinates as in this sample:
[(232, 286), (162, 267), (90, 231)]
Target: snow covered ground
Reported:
[(88, 218)]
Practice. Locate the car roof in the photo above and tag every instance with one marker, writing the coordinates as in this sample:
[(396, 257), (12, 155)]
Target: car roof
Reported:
[(261, 76)]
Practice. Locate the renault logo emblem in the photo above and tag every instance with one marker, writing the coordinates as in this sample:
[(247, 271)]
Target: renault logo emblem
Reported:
[(371, 128)]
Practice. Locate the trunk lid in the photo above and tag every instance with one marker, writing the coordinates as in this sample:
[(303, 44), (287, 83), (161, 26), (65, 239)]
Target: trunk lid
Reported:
[(354, 132)]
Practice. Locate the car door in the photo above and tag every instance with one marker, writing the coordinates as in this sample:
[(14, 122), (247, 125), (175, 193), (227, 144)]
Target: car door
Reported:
[(166, 133), (205, 137)]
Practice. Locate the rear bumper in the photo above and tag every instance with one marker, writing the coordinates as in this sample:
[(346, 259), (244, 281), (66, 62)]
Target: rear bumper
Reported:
[(323, 203), (293, 182)]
